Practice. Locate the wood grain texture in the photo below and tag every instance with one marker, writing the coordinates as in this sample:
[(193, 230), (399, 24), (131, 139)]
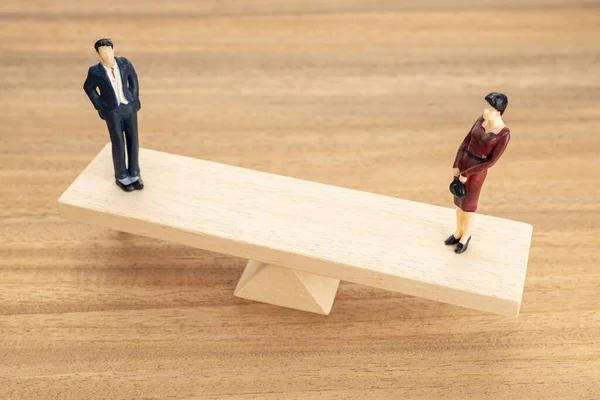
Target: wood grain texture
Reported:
[(355, 236), (371, 95)]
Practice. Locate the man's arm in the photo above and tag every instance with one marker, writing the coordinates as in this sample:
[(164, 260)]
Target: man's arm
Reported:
[(90, 89), (132, 81)]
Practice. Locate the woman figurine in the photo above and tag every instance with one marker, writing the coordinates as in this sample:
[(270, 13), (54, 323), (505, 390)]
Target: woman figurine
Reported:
[(483, 146)]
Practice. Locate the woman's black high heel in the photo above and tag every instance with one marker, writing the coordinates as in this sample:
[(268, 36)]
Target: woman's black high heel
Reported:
[(461, 248), (451, 240)]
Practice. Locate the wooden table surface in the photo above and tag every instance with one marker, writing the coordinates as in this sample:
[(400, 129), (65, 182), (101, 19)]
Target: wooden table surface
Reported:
[(371, 95)]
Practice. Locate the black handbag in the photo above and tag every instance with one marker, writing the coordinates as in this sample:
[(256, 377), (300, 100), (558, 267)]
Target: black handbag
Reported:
[(458, 188)]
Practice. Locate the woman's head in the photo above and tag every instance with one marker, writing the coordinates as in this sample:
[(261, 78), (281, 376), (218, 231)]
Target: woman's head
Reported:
[(496, 104)]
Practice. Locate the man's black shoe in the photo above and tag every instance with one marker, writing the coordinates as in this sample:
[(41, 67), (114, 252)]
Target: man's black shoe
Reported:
[(138, 185), (127, 188)]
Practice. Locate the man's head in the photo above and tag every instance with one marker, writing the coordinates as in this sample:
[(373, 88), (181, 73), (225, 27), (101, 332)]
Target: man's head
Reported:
[(106, 51)]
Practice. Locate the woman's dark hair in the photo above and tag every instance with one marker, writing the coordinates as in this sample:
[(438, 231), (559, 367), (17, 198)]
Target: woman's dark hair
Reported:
[(103, 42), (497, 100)]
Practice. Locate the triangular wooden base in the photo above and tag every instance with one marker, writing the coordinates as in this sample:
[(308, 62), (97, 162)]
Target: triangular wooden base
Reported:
[(287, 288)]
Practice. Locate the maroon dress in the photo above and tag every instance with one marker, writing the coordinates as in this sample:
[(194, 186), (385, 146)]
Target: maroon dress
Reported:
[(485, 149)]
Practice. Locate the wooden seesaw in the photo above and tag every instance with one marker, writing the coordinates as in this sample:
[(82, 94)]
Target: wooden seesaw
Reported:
[(304, 237)]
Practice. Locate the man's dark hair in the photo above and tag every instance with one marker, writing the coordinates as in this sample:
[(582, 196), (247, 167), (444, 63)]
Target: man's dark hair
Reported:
[(497, 100), (103, 42)]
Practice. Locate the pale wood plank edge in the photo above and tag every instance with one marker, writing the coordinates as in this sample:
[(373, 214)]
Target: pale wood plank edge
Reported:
[(462, 298)]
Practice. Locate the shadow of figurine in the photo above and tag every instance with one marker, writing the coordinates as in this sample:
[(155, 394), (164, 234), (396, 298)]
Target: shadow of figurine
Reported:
[(112, 86)]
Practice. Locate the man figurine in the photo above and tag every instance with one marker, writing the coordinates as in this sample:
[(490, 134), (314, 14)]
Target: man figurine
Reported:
[(112, 86)]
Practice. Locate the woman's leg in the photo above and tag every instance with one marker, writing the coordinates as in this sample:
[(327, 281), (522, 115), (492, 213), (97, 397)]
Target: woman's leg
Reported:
[(468, 222), (459, 223)]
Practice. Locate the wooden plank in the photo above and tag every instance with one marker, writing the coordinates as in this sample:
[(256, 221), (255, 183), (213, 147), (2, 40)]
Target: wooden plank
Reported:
[(355, 236)]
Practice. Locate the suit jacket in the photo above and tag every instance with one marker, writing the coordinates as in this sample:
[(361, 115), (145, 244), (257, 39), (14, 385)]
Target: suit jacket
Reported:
[(106, 101)]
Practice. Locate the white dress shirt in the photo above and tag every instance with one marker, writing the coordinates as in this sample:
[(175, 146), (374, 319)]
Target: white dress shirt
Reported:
[(116, 83)]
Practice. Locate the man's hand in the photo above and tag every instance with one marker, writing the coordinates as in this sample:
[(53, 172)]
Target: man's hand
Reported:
[(456, 172), (463, 179)]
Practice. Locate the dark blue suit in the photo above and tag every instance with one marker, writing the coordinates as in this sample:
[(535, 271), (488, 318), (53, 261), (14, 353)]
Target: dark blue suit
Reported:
[(119, 118)]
